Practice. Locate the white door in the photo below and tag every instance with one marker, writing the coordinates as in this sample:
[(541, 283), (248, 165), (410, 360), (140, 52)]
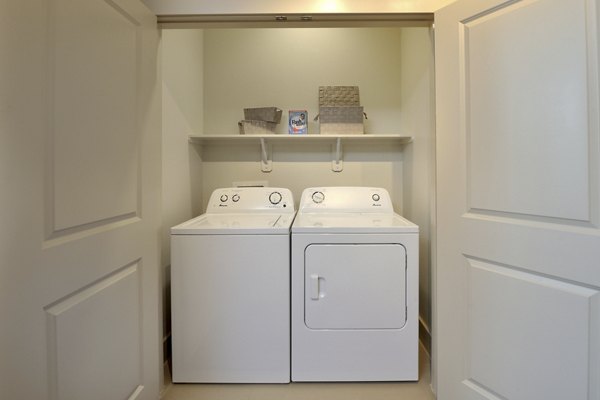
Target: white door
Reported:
[(79, 223), (518, 239), (355, 286)]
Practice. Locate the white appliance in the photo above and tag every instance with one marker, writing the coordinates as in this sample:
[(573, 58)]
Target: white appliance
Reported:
[(354, 288), (230, 296)]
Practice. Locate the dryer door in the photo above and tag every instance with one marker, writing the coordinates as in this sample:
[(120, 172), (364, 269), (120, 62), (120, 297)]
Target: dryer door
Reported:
[(355, 286)]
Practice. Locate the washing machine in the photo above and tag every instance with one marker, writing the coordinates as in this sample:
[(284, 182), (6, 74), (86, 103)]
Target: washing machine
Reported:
[(230, 289), (354, 288)]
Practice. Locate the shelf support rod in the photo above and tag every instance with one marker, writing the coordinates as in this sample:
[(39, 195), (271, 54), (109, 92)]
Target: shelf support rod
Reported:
[(266, 163), (337, 165)]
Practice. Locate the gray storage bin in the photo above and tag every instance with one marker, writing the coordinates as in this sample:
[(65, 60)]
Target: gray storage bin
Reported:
[(340, 112), (254, 127), (270, 114), (346, 120)]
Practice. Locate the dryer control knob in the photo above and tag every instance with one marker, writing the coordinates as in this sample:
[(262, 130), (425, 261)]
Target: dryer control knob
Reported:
[(235, 198), (318, 197), (275, 198), (224, 197), (375, 197)]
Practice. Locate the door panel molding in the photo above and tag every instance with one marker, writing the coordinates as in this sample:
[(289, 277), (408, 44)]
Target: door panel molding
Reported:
[(573, 255), (77, 324), (477, 391), (93, 174), (93, 228), (518, 363), (593, 98), (528, 219), (127, 15), (515, 150)]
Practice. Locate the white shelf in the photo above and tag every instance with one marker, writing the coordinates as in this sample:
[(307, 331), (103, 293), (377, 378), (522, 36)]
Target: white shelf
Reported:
[(266, 141), (283, 138)]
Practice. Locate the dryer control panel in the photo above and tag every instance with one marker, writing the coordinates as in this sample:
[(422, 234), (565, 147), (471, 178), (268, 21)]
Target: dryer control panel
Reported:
[(250, 199), (345, 200)]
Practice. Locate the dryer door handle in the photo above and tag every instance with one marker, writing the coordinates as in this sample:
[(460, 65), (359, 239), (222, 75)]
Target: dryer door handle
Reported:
[(316, 287)]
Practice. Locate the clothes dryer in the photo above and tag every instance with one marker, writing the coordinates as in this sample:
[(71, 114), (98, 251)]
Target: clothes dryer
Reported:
[(230, 297), (354, 288)]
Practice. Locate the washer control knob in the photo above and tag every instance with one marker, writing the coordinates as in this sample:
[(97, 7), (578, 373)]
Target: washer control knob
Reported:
[(224, 197), (375, 197), (275, 198), (318, 197), (235, 198)]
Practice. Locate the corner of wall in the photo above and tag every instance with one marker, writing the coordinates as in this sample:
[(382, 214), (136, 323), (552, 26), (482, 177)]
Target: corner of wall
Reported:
[(418, 122), (182, 104)]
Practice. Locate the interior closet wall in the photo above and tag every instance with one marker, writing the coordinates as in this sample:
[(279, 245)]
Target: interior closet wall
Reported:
[(211, 75), (182, 112), (284, 67), (418, 103)]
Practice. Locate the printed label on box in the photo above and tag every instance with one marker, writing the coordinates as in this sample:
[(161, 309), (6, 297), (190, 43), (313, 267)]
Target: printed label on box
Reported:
[(298, 122)]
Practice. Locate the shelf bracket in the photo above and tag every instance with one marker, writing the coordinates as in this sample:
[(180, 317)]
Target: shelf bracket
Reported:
[(266, 161), (337, 165)]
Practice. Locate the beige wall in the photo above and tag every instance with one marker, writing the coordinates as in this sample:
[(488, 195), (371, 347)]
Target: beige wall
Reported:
[(182, 64), (284, 68), (418, 105), (214, 74), (298, 167)]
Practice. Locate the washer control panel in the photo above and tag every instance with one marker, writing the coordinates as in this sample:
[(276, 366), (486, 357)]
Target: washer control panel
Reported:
[(346, 199), (249, 199)]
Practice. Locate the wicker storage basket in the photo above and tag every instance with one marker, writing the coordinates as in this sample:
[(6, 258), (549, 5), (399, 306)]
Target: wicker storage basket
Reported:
[(270, 114), (339, 96), (340, 112), (253, 127), (341, 120)]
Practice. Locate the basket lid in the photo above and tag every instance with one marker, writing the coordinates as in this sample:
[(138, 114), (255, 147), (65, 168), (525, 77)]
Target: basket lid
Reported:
[(338, 96)]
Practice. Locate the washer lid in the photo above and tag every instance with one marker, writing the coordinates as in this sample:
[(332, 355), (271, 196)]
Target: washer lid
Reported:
[(236, 224), (352, 223)]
